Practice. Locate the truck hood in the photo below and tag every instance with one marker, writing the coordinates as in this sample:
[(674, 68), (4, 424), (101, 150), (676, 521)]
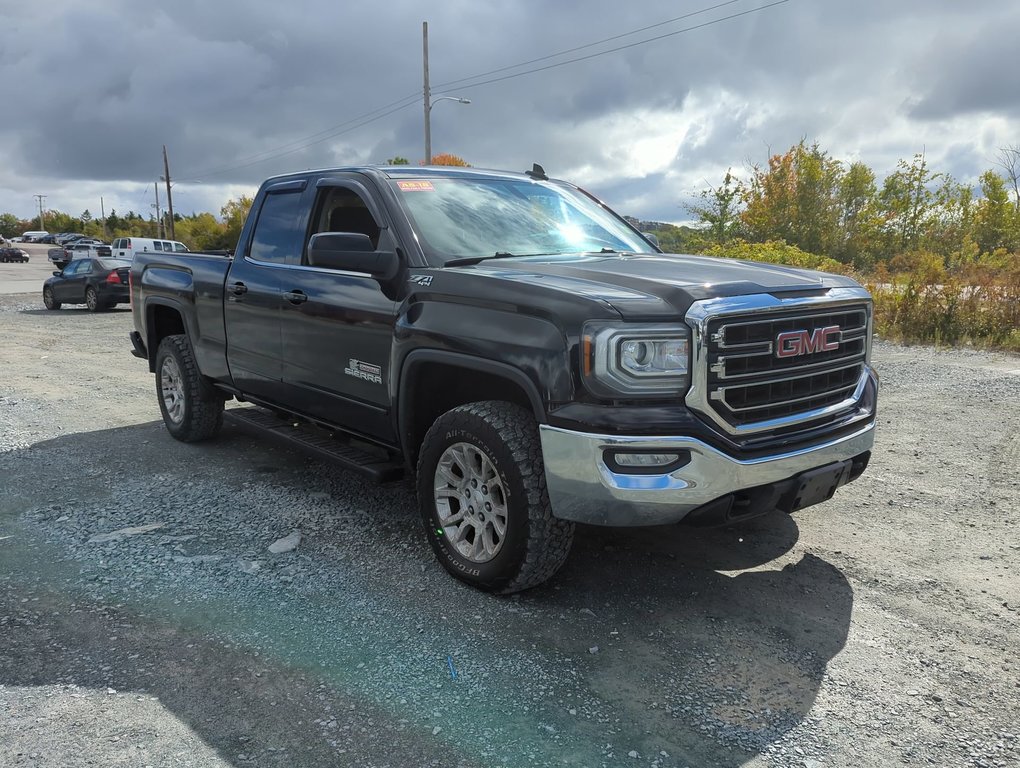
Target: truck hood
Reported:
[(656, 285)]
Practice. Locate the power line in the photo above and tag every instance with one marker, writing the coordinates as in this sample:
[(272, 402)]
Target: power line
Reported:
[(384, 111), (313, 139), (588, 45), (624, 47)]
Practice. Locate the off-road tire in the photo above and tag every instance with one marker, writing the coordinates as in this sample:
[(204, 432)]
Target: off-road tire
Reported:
[(47, 299), (201, 406), (535, 544)]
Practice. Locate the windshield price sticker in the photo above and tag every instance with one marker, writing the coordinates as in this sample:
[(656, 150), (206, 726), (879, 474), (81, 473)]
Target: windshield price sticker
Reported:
[(416, 186)]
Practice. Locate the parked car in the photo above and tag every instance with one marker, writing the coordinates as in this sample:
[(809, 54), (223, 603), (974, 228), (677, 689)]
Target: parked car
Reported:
[(98, 283), (78, 249), (33, 235), (66, 237), (12, 254), (47, 239), (126, 247)]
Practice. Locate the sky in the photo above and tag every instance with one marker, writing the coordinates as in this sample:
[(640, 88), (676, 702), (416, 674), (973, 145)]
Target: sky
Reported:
[(240, 91)]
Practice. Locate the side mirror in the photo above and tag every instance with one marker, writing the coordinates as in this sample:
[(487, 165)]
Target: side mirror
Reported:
[(57, 274), (650, 237), (351, 252)]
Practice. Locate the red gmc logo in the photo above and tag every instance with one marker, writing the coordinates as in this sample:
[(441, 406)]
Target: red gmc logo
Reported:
[(794, 343)]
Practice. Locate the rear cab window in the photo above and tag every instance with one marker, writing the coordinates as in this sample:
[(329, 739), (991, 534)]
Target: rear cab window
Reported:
[(280, 229)]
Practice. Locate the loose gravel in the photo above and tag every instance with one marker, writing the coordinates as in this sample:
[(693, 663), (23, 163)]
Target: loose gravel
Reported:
[(235, 603)]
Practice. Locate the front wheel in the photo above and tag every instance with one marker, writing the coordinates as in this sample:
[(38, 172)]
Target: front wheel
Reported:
[(192, 410), (483, 499), (48, 299)]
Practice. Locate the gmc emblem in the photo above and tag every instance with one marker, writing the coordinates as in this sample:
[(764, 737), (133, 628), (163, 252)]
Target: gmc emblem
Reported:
[(794, 343)]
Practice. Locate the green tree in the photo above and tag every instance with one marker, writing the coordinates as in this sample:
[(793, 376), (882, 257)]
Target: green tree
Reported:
[(996, 219), (398, 160), (233, 214), (907, 205), (858, 223), (10, 225), (718, 209)]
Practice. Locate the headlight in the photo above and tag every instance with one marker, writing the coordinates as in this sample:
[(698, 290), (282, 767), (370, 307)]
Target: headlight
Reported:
[(634, 360)]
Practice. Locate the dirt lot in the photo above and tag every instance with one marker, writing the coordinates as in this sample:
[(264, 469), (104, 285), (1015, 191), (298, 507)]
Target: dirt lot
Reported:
[(878, 629)]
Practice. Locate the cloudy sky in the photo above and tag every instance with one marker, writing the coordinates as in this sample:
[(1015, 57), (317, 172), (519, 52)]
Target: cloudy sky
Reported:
[(239, 91)]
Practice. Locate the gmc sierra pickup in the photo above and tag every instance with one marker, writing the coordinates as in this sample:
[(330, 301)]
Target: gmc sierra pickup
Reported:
[(518, 349)]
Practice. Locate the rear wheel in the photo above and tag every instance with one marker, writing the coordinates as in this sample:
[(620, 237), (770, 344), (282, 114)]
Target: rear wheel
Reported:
[(483, 500), (92, 299), (192, 410), (48, 301)]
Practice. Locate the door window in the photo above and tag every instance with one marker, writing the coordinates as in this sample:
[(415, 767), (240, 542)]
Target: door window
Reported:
[(280, 229)]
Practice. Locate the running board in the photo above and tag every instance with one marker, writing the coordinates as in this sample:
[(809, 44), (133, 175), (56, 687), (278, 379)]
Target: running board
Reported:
[(314, 440)]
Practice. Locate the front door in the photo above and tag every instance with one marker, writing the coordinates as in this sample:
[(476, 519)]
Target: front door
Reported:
[(71, 289), (337, 327)]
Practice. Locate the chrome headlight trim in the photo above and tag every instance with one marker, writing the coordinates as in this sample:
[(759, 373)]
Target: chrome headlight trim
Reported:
[(605, 373)]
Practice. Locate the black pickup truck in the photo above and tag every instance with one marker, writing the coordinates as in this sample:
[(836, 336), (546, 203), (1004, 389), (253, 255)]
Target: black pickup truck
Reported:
[(521, 351)]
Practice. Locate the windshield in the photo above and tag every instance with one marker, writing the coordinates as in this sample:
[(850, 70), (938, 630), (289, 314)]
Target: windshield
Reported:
[(458, 218)]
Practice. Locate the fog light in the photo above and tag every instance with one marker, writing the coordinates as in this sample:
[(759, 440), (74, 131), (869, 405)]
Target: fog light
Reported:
[(638, 462), (644, 460)]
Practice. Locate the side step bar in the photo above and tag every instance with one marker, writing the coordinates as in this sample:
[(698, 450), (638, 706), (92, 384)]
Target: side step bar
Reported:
[(316, 441)]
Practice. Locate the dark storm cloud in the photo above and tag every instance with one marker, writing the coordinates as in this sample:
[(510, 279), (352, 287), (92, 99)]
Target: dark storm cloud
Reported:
[(974, 74), (239, 91)]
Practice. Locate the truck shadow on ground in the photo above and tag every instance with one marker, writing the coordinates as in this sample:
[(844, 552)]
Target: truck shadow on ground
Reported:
[(690, 641)]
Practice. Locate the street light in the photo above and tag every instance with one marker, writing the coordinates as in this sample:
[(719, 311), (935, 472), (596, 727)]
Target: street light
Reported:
[(427, 91), (428, 120)]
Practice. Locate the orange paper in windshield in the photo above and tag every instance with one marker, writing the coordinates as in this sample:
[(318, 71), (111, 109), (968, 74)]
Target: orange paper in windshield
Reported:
[(416, 186)]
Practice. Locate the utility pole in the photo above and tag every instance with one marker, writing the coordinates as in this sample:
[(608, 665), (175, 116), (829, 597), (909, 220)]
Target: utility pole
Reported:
[(42, 220), (428, 95), (160, 224), (102, 212), (169, 195)]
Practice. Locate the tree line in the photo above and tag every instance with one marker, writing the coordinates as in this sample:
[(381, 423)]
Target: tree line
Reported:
[(200, 231), (941, 258), (807, 199)]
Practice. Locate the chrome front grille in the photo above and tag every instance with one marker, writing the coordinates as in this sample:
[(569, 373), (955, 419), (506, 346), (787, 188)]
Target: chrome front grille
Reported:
[(767, 363)]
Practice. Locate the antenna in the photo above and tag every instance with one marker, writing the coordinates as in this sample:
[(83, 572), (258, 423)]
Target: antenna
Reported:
[(537, 172)]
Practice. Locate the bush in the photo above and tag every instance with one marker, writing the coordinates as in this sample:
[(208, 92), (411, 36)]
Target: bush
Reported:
[(918, 300)]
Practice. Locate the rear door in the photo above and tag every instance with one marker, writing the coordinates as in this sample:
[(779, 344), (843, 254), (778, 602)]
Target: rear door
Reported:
[(253, 293)]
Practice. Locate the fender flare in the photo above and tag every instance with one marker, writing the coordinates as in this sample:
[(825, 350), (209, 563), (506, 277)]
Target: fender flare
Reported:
[(421, 356)]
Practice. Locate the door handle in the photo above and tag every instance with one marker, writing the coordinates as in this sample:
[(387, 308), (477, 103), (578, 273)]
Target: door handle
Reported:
[(295, 297), (239, 289)]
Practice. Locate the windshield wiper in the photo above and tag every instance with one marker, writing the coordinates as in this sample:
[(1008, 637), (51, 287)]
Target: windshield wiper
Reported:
[(497, 255)]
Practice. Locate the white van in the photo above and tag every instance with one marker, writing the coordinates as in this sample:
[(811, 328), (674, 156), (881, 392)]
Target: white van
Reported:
[(31, 237), (127, 247)]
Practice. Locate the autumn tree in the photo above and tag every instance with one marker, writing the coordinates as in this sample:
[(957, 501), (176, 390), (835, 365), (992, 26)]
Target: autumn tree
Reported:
[(794, 199), (445, 158)]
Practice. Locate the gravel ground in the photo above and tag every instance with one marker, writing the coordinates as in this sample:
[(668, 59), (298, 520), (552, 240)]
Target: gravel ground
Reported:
[(144, 621)]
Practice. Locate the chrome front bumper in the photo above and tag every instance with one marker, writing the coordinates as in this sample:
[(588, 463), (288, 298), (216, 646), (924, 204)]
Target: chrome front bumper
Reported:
[(583, 488)]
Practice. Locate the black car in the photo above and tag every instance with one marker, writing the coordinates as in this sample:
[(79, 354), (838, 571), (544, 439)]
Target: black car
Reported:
[(50, 239), (12, 254), (96, 282)]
